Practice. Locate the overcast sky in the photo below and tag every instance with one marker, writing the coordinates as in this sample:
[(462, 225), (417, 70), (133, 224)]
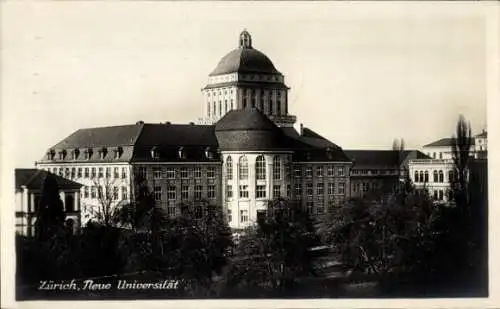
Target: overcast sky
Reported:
[(360, 74)]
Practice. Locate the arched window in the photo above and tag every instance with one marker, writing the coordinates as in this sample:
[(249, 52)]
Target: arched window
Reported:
[(451, 176), (229, 168), (435, 176), (271, 108), (276, 168), (220, 108), (426, 176), (243, 168), (421, 173), (260, 168), (416, 176), (441, 176)]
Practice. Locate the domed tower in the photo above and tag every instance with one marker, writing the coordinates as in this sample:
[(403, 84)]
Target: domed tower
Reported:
[(246, 78)]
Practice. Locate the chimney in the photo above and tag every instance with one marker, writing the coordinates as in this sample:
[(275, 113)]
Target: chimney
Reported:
[(140, 122), (168, 123), (301, 128), (191, 123)]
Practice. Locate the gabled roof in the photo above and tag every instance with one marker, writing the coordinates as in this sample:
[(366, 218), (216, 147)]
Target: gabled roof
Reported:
[(102, 137), (444, 142), (34, 178)]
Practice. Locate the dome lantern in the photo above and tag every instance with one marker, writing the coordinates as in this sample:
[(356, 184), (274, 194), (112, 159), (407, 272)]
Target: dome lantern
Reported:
[(245, 39)]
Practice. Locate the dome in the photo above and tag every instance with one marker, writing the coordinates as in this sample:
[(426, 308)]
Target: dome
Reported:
[(245, 59), (249, 129)]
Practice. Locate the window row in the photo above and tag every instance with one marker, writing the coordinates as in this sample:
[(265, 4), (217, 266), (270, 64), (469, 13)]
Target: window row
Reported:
[(260, 168), (185, 192), (89, 172), (331, 189), (319, 171), (437, 176), (260, 191), (114, 193), (175, 173)]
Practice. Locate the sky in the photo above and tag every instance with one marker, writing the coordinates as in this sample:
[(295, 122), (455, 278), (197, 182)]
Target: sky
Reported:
[(361, 74)]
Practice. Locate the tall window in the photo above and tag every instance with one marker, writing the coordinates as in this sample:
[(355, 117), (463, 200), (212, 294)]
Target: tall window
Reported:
[(426, 176), (340, 171), (271, 106), (100, 172), (260, 168), (85, 192), (229, 215), (229, 191), (320, 189), (86, 173), (156, 172), (331, 188), (451, 176), (79, 172), (309, 189), (441, 176), (276, 191), (298, 190), (124, 172), (310, 208), (211, 191), (329, 171), (124, 193), (197, 192), (276, 168), (211, 172), (170, 192), (341, 188), (243, 168), (243, 191), (108, 172), (73, 172), (170, 173), (184, 172), (435, 178), (243, 215), (184, 192), (229, 168), (297, 172), (416, 176), (421, 178), (115, 193), (309, 172), (197, 172), (260, 191), (116, 172), (92, 174), (319, 171), (157, 193)]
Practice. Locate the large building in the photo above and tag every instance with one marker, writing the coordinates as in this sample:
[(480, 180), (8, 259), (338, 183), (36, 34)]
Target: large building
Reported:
[(244, 152)]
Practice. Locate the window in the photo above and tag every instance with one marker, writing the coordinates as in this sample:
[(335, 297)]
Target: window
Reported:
[(440, 155), (93, 192), (86, 172), (229, 215), (115, 193), (79, 172), (229, 191), (156, 172), (197, 192), (416, 176), (171, 193), (320, 189), (108, 172), (441, 195), (86, 192), (297, 172), (341, 188), (211, 191), (435, 178), (197, 172), (170, 173), (441, 176), (319, 171), (276, 191), (243, 168), (243, 191), (310, 208), (243, 215), (73, 172), (426, 176), (184, 192), (184, 172), (435, 195), (309, 172), (260, 191), (116, 172), (366, 187), (124, 172), (260, 168), (320, 209), (101, 172), (329, 171), (451, 176), (276, 168), (309, 189), (211, 172), (124, 193), (271, 107), (92, 174), (434, 155), (298, 190), (229, 168), (288, 191), (340, 171), (66, 172)]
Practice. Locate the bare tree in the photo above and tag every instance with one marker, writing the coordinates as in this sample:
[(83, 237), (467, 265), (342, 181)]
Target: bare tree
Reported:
[(105, 210)]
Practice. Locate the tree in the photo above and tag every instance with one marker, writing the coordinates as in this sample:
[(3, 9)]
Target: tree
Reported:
[(274, 254), (50, 211)]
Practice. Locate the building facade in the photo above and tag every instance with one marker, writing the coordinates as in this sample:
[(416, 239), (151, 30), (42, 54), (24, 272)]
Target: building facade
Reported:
[(29, 183), (243, 153)]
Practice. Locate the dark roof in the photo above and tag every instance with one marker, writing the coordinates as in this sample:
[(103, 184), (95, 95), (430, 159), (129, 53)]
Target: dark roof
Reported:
[(250, 129), (34, 178), (382, 158), (444, 142), (250, 85), (245, 119), (177, 135), (245, 60), (101, 137)]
